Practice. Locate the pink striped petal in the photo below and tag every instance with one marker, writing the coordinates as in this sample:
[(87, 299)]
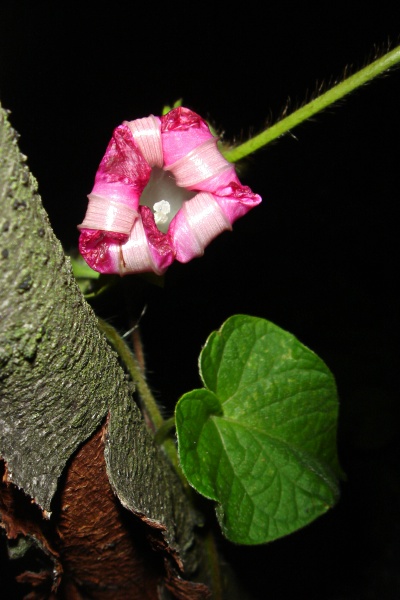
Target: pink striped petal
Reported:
[(147, 135), (201, 163), (123, 172), (198, 222), (234, 198), (134, 255), (108, 215), (182, 130), (143, 251), (219, 182)]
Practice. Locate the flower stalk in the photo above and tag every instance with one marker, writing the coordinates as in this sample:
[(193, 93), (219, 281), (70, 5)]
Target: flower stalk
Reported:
[(387, 61), (152, 414)]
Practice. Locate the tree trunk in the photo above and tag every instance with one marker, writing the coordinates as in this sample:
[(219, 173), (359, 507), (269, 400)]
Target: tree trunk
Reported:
[(83, 480)]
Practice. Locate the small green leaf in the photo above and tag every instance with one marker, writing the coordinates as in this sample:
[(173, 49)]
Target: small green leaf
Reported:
[(167, 108), (260, 438), (91, 283), (81, 269)]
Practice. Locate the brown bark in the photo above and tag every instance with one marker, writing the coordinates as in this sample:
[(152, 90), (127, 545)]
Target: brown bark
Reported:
[(104, 550)]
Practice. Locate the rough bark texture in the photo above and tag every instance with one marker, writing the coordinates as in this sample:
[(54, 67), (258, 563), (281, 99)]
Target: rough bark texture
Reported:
[(57, 372), (59, 380)]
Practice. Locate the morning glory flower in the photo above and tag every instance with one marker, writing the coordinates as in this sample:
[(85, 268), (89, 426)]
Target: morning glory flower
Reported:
[(163, 191)]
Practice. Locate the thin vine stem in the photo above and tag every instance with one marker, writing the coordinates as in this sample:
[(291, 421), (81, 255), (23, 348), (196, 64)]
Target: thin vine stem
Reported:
[(161, 428), (164, 430), (134, 370), (152, 411), (316, 105)]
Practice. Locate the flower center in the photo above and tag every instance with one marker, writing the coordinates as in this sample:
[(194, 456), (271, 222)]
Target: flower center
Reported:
[(164, 197)]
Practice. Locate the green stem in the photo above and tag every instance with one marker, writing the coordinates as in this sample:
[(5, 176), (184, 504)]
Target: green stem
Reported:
[(311, 108), (151, 409), (129, 360), (164, 430), (214, 565)]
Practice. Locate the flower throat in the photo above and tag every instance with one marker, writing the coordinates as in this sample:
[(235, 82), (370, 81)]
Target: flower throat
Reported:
[(164, 197)]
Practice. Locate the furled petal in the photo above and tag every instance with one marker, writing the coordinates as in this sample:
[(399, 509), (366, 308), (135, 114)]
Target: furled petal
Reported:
[(161, 249), (123, 173), (109, 215), (198, 222), (201, 163), (147, 135), (182, 130), (236, 200), (146, 248), (95, 248), (114, 201), (120, 179), (190, 149), (138, 254)]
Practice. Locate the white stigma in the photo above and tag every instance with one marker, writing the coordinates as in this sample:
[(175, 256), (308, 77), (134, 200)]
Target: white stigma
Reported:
[(161, 212), (164, 197)]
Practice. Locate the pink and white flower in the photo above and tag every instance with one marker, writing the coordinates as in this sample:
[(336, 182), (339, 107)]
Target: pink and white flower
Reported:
[(162, 192)]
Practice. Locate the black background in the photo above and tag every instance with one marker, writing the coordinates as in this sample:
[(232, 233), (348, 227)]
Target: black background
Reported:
[(318, 257)]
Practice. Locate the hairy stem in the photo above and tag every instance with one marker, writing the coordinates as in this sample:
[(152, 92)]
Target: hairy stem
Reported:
[(318, 104), (152, 411), (134, 370), (164, 431)]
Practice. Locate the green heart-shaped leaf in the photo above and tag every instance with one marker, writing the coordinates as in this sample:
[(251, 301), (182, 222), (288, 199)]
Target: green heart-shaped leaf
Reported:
[(260, 438)]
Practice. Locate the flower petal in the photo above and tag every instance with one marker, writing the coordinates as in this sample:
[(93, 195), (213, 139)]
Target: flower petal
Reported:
[(134, 255), (109, 215), (198, 222), (182, 130), (146, 248), (160, 246), (201, 163), (236, 200), (123, 172), (147, 135), (95, 249)]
